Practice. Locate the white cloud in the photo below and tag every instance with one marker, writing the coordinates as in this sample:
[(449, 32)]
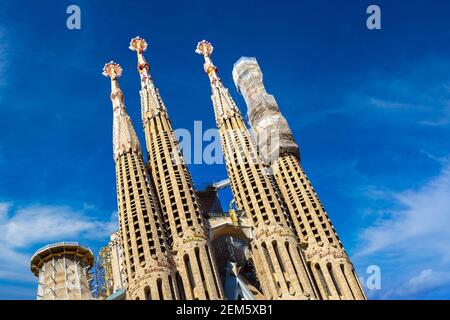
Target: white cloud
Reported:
[(442, 120), (410, 241), (425, 281), (37, 225), (387, 104), (419, 227), (4, 208)]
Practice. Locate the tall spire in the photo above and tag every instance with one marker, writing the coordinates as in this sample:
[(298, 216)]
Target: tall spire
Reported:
[(270, 129), (124, 136), (151, 102), (329, 264), (226, 107), (205, 49), (197, 275), (276, 252), (149, 265)]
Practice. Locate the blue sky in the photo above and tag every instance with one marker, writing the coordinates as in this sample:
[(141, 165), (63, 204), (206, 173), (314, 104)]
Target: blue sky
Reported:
[(369, 109)]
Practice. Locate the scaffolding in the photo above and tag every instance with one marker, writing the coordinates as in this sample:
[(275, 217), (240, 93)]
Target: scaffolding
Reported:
[(63, 271), (103, 285)]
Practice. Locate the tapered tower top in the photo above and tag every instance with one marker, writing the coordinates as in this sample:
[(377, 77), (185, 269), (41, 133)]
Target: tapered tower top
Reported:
[(124, 136), (205, 49), (269, 127), (112, 70), (140, 45), (151, 102), (224, 106)]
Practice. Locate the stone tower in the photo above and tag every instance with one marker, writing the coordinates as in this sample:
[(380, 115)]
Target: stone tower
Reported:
[(197, 275), (117, 262), (62, 269), (333, 273), (149, 266), (276, 252)]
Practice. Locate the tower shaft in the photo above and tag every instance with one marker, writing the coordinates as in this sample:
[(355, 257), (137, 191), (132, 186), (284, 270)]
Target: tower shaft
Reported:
[(149, 266), (117, 262), (276, 252), (62, 269), (330, 266), (333, 272), (197, 274)]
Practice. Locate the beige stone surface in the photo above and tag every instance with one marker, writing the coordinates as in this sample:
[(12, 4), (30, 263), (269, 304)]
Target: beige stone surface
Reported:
[(276, 253), (149, 266), (333, 274), (187, 235), (63, 271)]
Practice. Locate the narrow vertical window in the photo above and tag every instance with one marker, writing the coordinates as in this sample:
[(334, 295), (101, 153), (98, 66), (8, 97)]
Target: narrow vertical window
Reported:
[(331, 272), (322, 280), (147, 293)]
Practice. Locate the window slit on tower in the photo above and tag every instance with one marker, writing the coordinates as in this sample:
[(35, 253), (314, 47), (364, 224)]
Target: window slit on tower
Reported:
[(202, 275), (147, 293), (190, 276), (211, 265), (331, 272), (281, 264), (160, 290), (269, 262), (172, 289), (180, 286), (322, 280), (266, 254), (358, 285), (277, 253), (313, 278), (293, 264), (346, 280)]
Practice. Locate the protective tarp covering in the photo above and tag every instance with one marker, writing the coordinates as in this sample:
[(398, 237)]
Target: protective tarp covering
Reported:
[(269, 128)]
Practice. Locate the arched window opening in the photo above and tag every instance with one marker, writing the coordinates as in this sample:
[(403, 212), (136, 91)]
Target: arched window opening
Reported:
[(333, 277), (346, 280), (147, 293), (322, 280), (160, 290)]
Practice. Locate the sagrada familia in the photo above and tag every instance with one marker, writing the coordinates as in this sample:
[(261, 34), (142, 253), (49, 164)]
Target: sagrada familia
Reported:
[(175, 242)]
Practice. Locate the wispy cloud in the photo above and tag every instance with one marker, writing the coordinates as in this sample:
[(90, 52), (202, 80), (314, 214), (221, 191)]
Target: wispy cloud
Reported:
[(442, 119), (420, 95), (422, 283), (39, 223), (388, 104), (423, 220), (25, 228), (410, 240)]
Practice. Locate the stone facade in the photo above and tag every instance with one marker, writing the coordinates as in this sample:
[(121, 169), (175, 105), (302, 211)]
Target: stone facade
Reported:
[(333, 273), (62, 269), (149, 264), (187, 235), (276, 252), (278, 244), (117, 261)]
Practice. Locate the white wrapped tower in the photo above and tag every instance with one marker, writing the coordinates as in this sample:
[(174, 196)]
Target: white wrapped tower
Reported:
[(334, 276), (270, 129)]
